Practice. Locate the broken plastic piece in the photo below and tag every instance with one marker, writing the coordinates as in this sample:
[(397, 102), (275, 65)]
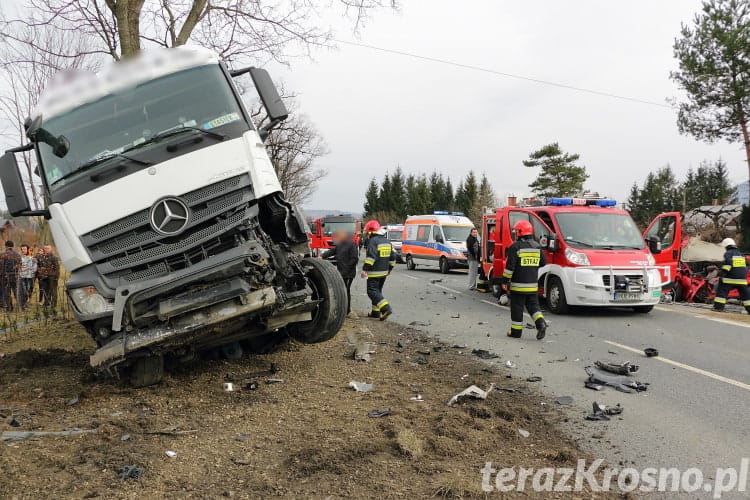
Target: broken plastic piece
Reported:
[(510, 364), (651, 352), (602, 412), (534, 378), (131, 472), (418, 398), (360, 386), (622, 383), (421, 360), (170, 453), (484, 354), (593, 385), (72, 401), (228, 386), (619, 368), (524, 433), (251, 386), (564, 400), (13, 422), (125, 437), (270, 381), (381, 412), (470, 392)]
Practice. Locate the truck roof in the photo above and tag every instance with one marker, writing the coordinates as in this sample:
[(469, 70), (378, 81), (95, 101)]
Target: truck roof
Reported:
[(70, 89), (457, 220), (554, 209)]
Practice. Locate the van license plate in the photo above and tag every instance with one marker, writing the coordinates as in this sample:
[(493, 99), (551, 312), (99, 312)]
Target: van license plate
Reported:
[(627, 297)]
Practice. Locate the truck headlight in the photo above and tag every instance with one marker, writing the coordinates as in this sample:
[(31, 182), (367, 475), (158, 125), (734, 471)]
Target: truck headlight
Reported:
[(577, 258), (88, 301)]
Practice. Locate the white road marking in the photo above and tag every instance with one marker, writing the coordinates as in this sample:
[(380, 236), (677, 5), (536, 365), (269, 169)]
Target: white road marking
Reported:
[(493, 304), (693, 369), (446, 288), (679, 310), (410, 277)]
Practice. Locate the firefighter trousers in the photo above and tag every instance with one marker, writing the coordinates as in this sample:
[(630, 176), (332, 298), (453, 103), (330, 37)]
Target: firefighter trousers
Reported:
[(723, 292), (517, 303), (375, 292)]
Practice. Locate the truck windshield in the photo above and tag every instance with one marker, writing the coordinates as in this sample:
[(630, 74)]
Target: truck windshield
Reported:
[(395, 235), (194, 98), (332, 227), (599, 230), (456, 233)]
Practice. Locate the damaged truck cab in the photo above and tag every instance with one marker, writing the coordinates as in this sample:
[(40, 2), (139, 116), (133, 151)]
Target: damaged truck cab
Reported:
[(168, 214)]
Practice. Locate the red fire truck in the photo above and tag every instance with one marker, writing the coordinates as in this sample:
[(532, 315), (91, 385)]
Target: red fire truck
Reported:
[(322, 230), (596, 256)]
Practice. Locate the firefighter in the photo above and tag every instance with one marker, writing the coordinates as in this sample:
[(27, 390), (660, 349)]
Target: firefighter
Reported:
[(379, 262), (524, 258), (733, 275)]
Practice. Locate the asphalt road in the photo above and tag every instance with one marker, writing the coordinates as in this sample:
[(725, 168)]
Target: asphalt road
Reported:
[(694, 413)]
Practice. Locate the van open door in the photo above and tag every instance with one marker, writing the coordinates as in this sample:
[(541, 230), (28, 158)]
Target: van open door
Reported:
[(664, 237)]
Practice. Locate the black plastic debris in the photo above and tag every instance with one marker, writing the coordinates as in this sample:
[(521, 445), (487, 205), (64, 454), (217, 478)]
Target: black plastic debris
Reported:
[(131, 472), (619, 368), (271, 381), (456, 316), (593, 386), (564, 400), (436, 281), (251, 386), (534, 378), (622, 383), (601, 412), (419, 323), (424, 352), (71, 402), (381, 412), (651, 352), (484, 354), (421, 360), (13, 422)]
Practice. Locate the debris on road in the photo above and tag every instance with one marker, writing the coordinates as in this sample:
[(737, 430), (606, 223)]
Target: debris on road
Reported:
[(510, 364), (456, 316), (13, 422), (593, 385), (363, 351), (271, 381), (228, 386), (619, 368), (125, 437), (419, 323), (420, 360), (484, 354), (418, 398), (251, 386), (524, 433), (651, 352), (170, 453), (131, 472), (436, 281), (473, 392), (21, 435), (534, 378), (622, 383), (424, 352), (560, 360), (72, 401), (602, 412), (360, 386), (381, 412), (564, 400)]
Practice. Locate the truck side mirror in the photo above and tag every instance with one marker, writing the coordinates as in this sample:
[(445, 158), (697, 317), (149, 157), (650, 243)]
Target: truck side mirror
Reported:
[(551, 243), (15, 191), (270, 98), (654, 244)]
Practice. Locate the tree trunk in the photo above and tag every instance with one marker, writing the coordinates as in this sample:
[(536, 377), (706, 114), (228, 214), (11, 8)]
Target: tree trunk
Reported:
[(128, 14), (746, 137)]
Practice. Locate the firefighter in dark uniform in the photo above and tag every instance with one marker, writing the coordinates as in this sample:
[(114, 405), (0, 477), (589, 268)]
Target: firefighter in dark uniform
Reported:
[(379, 261), (733, 275), (524, 258)]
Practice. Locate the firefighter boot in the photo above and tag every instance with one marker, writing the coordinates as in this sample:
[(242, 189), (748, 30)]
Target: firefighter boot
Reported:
[(385, 312), (719, 304), (541, 328)]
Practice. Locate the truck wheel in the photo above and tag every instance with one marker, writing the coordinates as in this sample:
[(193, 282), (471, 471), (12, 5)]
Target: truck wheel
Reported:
[(147, 371), (679, 293), (410, 265), (556, 300), (328, 287), (643, 309), (445, 267)]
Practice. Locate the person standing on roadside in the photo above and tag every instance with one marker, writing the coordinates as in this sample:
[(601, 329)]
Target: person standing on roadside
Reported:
[(473, 255), (48, 268), (28, 273), (347, 256), (379, 262), (10, 267)]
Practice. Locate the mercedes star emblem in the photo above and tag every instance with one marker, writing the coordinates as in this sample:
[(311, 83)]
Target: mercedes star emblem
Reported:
[(170, 216)]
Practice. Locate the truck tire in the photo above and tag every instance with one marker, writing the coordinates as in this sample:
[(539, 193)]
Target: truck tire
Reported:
[(643, 309), (445, 266), (556, 300), (410, 265), (328, 286), (148, 370)]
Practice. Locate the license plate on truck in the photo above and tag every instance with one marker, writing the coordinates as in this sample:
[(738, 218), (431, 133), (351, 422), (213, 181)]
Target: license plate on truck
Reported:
[(627, 297)]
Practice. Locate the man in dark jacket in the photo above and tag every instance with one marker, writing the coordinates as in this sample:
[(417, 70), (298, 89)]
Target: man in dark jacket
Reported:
[(346, 255), (379, 263), (10, 267), (473, 255), (522, 264), (733, 275)]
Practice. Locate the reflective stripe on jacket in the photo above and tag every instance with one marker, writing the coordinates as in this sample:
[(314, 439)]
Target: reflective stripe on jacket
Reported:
[(734, 267), (380, 257), (522, 264)]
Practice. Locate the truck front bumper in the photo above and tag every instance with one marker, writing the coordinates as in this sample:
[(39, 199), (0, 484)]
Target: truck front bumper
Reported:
[(610, 286)]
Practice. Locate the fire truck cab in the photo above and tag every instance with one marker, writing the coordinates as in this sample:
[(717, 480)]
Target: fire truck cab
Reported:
[(322, 230), (596, 255)]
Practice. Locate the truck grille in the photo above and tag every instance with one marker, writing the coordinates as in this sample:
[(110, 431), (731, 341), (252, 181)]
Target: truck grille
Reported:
[(626, 283), (130, 250)]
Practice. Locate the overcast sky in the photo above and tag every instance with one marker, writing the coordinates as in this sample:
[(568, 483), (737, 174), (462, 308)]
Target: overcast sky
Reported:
[(379, 110)]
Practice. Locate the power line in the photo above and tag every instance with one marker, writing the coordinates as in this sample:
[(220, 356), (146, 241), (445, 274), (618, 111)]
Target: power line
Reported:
[(508, 75)]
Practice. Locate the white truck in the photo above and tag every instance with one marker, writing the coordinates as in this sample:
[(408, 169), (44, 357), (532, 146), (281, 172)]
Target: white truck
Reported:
[(168, 214)]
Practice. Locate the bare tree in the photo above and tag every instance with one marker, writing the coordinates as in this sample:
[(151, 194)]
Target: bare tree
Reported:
[(236, 29)]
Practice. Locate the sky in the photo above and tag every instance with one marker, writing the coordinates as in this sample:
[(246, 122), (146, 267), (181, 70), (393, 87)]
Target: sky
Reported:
[(377, 110)]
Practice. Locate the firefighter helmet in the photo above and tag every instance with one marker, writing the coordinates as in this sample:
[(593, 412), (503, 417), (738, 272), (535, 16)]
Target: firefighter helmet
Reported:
[(728, 242), (523, 228), (372, 226)]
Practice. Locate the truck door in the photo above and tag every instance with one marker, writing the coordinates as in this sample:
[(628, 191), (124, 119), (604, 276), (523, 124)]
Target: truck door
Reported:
[(668, 228)]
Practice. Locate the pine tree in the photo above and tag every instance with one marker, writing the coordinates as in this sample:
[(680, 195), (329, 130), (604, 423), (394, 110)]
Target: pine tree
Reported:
[(560, 175), (372, 198), (485, 199), (386, 202), (398, 194)]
